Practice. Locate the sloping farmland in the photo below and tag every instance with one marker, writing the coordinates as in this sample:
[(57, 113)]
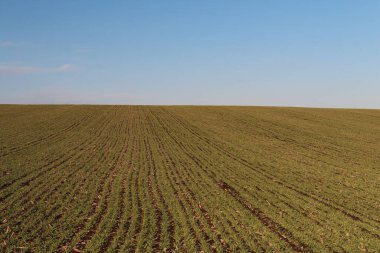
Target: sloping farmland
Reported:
[(188, 179)]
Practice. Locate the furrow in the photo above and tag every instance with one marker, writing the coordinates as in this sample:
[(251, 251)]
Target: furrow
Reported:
[(282, 232)]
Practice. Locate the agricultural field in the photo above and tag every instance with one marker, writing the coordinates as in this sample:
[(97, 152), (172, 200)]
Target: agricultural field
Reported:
[(188, 179)]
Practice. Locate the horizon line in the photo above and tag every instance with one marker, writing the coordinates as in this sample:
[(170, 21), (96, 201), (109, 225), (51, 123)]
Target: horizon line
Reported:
[(191, 105)]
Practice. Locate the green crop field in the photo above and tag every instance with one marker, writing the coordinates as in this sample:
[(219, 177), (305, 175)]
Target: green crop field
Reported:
[(189, 179)]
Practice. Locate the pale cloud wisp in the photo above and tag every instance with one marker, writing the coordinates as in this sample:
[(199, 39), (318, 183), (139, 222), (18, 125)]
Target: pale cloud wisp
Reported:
[(7, 43), (7, 69)]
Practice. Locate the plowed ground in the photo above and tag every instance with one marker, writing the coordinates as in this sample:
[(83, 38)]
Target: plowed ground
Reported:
[(189, 179)]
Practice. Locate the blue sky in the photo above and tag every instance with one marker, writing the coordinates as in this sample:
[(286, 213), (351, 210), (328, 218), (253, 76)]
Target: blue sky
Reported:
[(282, 53)]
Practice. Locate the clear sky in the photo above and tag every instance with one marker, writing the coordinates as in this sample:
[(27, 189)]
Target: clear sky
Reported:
[(285, 53)]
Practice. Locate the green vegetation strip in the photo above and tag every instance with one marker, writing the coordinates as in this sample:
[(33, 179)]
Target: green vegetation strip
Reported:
[(189, 179)]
